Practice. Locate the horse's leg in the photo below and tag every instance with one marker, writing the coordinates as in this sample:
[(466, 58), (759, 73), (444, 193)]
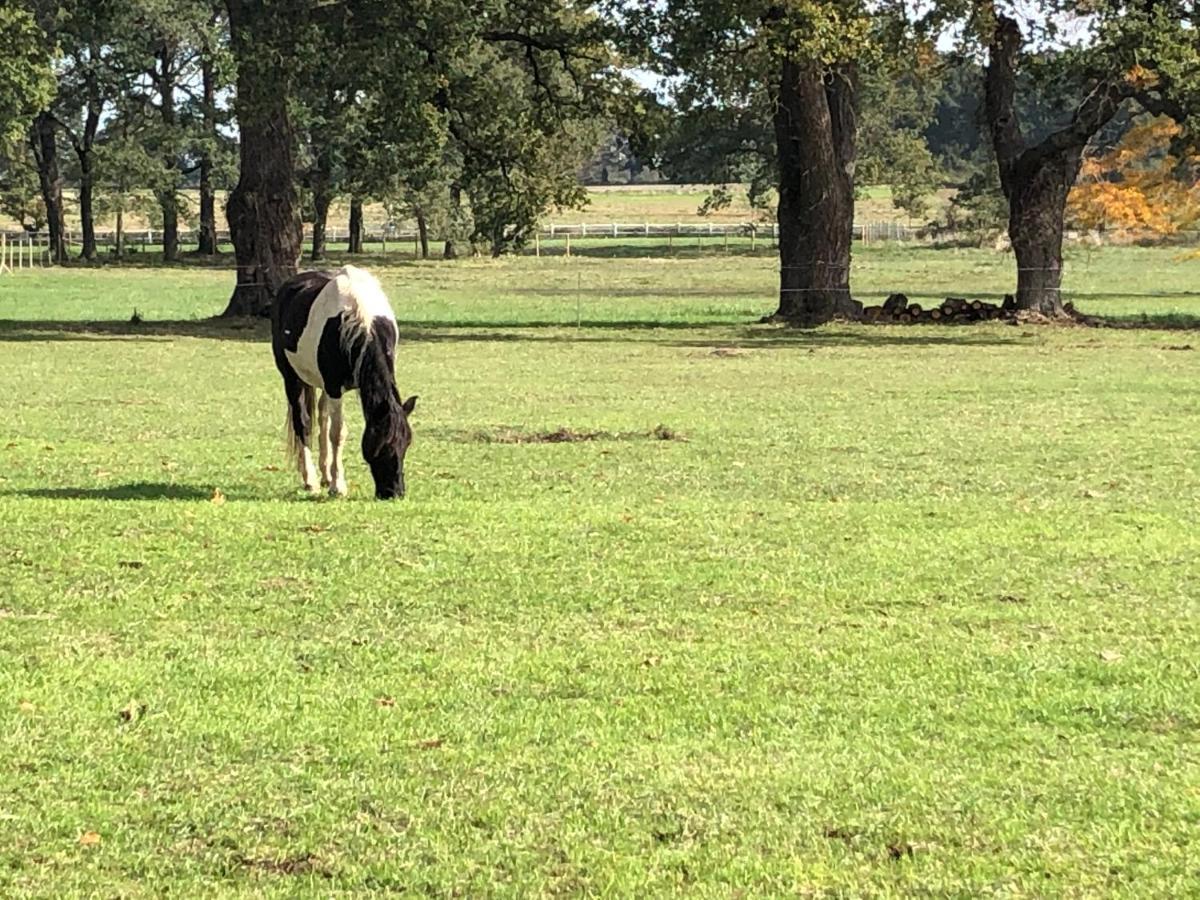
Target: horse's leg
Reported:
[(323, 413), (300, 405), (337, 428)]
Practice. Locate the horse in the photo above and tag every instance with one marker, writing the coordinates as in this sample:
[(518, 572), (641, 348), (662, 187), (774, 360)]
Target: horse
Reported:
[(333, 332)]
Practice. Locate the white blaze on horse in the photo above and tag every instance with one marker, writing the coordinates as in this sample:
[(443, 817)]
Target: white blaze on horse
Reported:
[(334, 332)]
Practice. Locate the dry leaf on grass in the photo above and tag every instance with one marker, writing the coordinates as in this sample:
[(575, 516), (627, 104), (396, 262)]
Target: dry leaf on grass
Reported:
[(89, 839), (217, 497)]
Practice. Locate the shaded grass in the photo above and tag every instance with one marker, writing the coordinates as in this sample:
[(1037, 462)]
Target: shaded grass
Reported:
[(910, 611)]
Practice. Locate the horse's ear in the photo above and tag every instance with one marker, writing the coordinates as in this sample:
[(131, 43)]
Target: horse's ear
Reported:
[(409, 405)]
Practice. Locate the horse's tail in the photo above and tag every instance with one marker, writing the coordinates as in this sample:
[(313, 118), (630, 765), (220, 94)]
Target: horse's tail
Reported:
[(308, 399)]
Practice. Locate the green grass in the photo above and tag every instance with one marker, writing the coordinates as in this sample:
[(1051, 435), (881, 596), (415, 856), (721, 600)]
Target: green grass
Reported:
[(910, 610)]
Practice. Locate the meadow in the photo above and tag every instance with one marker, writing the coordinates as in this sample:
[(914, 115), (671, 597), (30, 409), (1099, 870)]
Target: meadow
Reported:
[(678, 603)]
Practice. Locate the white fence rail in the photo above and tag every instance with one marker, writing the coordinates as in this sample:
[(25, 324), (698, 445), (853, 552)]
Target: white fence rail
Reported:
[(868, 231)]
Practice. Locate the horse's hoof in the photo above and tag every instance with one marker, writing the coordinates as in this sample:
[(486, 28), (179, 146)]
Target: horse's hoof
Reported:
[(338, 490)]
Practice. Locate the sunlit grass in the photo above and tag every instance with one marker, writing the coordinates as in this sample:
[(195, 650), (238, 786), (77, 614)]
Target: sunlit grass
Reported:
[(895, 611)]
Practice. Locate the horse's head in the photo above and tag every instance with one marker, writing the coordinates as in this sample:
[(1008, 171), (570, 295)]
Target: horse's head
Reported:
[(385, 441)]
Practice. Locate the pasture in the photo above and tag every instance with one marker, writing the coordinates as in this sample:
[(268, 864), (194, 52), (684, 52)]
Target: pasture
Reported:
[(677, 603)]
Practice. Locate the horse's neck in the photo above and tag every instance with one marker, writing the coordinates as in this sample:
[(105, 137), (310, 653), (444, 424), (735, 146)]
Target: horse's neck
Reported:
[(375, 379)]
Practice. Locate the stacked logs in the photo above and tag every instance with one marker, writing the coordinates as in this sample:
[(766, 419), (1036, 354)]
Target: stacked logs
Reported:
[(896, 310)]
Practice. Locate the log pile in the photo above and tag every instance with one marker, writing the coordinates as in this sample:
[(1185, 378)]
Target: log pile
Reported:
[(896, 310)]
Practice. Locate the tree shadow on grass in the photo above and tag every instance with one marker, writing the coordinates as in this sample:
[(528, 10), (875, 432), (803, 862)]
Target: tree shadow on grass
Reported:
[(140, 490), (668, 332), (17, 331)]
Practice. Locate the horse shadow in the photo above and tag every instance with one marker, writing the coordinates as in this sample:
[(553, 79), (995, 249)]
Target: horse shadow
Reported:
[(140, 490)]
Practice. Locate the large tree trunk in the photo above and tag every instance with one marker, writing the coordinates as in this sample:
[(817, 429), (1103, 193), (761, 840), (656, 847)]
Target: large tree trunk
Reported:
[(355, 244), (262, 209), (207, 243), (1037, 208), (815, 133), (45, 150), (1036, 179), (423, 234)]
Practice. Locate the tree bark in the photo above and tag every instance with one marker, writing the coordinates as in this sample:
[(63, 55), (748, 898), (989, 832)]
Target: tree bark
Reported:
[(1037, 179), (450, 251), (423, 234), (355, 244), (262, 209), (45, 150), (168, 200), (87, 185), (815, 133), (322, 198), (207, 243)]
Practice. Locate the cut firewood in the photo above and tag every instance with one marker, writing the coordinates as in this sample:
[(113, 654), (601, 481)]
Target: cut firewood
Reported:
[(895, 304), (872, 313), (914, 309)]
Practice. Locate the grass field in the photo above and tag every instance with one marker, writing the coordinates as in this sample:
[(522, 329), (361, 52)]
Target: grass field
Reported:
[(892, 612)]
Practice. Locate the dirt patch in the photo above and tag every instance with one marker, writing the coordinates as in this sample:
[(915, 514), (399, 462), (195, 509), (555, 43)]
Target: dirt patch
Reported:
[(302, 864), (512, 435)]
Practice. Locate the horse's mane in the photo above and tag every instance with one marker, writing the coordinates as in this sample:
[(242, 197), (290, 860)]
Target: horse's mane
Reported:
[(382, 407), (362, 300)]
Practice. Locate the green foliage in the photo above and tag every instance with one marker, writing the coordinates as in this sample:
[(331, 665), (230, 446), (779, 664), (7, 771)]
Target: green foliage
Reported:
[(20, 190), (978, 209), (722, 59), (26, 76)]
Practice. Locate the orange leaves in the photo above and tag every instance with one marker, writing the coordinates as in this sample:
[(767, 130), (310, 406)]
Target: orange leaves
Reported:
[(1141, 77), (1136, 186)]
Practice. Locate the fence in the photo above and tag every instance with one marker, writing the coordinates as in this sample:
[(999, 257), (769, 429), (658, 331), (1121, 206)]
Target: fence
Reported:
[(403, 237), (21, 249)]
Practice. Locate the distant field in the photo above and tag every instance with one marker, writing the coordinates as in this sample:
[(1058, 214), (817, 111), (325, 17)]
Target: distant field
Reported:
[(638, 203)]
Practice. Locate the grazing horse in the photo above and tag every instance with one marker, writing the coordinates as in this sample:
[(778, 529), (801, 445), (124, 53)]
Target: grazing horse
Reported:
[(333, 332)]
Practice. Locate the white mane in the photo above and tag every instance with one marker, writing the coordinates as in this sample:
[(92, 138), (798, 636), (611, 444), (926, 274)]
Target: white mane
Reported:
[(362, 299)]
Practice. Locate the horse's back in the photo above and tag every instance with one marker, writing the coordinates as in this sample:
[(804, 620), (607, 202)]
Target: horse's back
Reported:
[(317, 317)]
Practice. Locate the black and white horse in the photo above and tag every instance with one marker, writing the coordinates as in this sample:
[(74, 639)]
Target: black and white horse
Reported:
[(333, 332)]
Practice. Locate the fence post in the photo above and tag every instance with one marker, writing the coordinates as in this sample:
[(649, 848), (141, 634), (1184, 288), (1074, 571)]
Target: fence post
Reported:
[(537, 244), (568, 245), (3, 253)]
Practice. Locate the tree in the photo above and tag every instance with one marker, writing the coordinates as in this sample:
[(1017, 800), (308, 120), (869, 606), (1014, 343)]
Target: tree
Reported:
[(774, 89), (262, 208), (20, 193), (26, 76), (1142, 184), (1146, 54), (88, 83)]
